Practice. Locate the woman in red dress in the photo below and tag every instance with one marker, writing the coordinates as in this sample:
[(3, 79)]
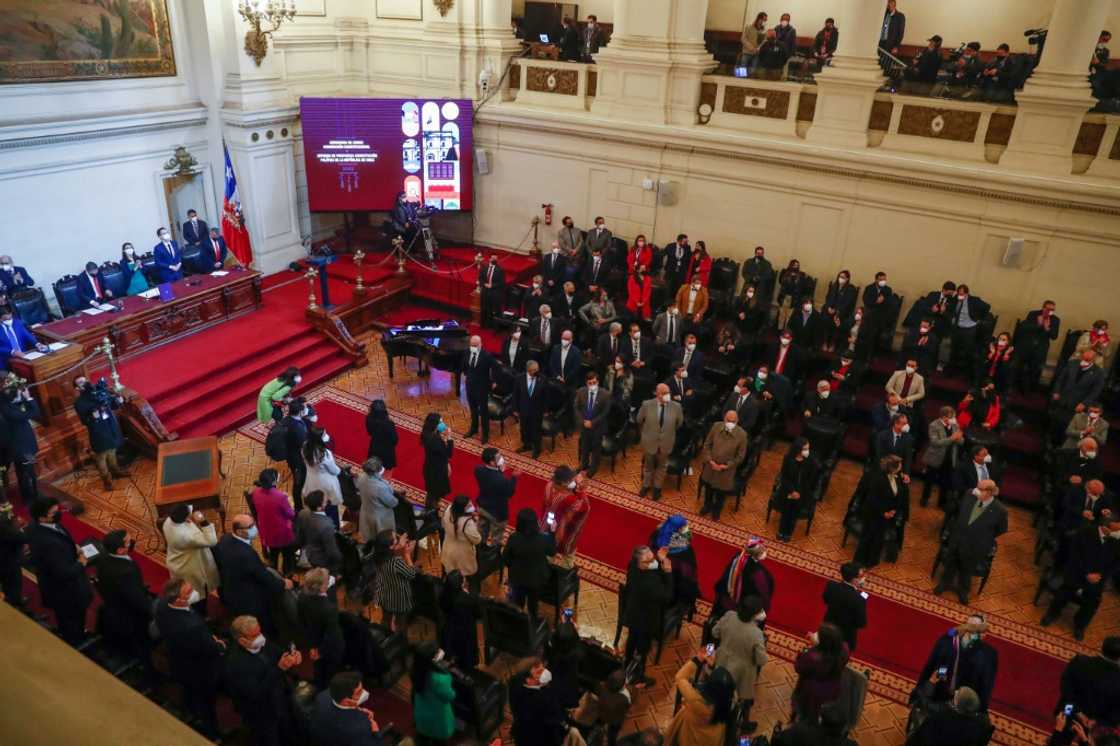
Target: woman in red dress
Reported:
[(700, 264), (567, 505), (639, 256), (638, 290)]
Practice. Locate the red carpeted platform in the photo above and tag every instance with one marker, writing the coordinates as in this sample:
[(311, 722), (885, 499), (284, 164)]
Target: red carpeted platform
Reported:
[(1027, 680), (207, 383)]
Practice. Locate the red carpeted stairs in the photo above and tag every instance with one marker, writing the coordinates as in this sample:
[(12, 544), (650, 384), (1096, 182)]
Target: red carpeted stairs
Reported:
[(207, 383)]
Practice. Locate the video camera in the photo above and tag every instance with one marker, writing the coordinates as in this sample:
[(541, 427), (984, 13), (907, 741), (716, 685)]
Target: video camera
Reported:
[(1036, 36), (12, 385)]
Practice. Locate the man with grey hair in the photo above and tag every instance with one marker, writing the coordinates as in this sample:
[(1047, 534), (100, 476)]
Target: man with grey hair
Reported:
[(256, 679), (378, 500), (658, 420), (959, 723), (608, 347), (979, 521), (960, 658), (477, 365), (528, 398)]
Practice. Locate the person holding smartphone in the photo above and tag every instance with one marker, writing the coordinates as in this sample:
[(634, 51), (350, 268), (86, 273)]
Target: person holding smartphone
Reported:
[(968, 662), (565, 512)]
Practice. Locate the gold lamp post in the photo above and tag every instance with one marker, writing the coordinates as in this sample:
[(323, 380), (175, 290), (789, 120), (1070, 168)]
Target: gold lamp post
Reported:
[(359, 255), (106, 346), (264, 17), (311, 274), (398, 249)]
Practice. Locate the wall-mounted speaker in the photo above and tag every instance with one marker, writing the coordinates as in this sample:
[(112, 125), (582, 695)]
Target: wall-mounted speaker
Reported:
[(482, 160)]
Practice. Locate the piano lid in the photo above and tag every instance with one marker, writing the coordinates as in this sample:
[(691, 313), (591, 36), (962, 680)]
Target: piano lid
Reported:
[(431, 331)]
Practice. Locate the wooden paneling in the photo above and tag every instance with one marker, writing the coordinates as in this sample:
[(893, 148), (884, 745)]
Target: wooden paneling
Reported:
[(1089, 138), (999, 129), (941, 124), (880, 116), (806, 107), (756, 102), (552, 80)]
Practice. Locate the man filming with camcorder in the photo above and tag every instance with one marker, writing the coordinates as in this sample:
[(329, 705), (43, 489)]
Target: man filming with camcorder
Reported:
[(96, 407), (18, 410)]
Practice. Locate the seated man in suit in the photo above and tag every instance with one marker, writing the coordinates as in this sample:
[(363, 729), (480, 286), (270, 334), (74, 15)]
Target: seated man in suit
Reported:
[(13, 278), (127, 609), (15, 339), (554, 269), (213, 255), (1094, 557), (922, 345), (565, 361), (897, 441), (169, 259), (515, 352), (608, 346), (92, 291), (822, 403), (690, 357), (195, 230), (528, 397)]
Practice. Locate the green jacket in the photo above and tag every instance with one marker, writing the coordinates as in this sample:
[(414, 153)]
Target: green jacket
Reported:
[(431, 708), (274, 389)]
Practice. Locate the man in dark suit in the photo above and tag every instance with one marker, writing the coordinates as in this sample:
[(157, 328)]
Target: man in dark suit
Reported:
[(248, 585), (15, 339), (92, 290), (971, 472), (13, 278), (565, 361), (255, 676), (927, 64), (477, 367), (169, 259), (969, 662), (534, 299), (690, 357), (214, 253), (568, 302), (894, 29), (1094, 557), (491, 290), (495, 490), (1080, 383), (637, 352), (979, 521), (338, 718), (877, 301), (1092, 684), (127, 603), (822, 404), (759, 273), (13, 539), (960, 723), (515, 351), (599, 238), (677, 256), (546, 329), (195, 229), (17, 410), (968, 313), (935, 306), (528, 396), (744, 403), (922, 345), (785, 357), (595, 271), (896, 441), (590, 413), (608, 346), (680, 388), (295, 435), (1084, 504), (554, 269), (60, 569), (194, 654), (806, 325), (846, 603)]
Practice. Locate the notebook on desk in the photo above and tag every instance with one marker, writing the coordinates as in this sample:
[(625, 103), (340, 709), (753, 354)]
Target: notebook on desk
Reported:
[(165, 292)]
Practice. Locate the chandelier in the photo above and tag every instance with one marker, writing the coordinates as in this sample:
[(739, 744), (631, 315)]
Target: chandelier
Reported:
[(264, 17)]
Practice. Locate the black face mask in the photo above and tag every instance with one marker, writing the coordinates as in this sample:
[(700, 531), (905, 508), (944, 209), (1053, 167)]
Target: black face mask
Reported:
[(131, 545), (56, 518)]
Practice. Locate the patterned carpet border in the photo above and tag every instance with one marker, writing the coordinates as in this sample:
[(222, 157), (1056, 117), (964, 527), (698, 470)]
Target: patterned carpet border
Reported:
[(883, 683)]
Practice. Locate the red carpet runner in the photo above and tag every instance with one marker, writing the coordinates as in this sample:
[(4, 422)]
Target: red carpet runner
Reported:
[(1027, 682)]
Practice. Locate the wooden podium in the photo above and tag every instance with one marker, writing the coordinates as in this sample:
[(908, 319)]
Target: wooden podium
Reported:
[(188, 472)]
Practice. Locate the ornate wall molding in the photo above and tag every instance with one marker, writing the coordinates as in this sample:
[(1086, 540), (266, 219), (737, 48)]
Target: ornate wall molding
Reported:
[(945, 124), (756, 102), (94, 129), (552, 80)]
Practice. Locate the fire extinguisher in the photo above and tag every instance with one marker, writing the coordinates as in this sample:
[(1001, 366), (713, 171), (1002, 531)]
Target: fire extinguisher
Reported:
[(547, 213)]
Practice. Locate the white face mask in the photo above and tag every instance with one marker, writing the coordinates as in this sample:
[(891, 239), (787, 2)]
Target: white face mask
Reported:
[(593, 388), (750, 293), (652, 565), (475, 349), (807, 307), (165, 237), (194, 598), (804, 453), (6, 267), (548, 315), (881, 283), (905, 428), (380, 473), (988, 459), (257, 644), (761, 376), (555, 251), (545, 678), (696, 288), (1001, 343), (785, 342), (572, 484), (297, 380), (1094, 415), (824, 394), (911, 369), (1090, 454), (326, 438), (684, 374), (127, 252), (536, 286), (636, 336), (1114, 535), (729, 426), (619, 366), (516, 336), (501, 462), (363, 697), (566, 343), (842, 280), (667, 398), (859, 317), (690, 347)]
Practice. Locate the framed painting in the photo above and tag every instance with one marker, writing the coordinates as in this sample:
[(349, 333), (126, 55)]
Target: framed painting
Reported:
[(61, 40)]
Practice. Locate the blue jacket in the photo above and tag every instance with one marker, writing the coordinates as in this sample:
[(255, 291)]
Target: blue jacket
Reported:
[(18, 415), (26, 340), (165, 260), (495, 490)]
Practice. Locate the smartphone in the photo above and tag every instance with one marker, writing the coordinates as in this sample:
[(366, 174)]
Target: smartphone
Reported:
[(569, 613), (1068, 710), (551, 517), (745, 741), (942, 672), (711, 649), (864, 594), (291, 648)]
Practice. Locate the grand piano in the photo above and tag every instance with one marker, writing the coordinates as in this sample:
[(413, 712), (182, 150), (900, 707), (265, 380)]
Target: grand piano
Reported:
[(434, 343)]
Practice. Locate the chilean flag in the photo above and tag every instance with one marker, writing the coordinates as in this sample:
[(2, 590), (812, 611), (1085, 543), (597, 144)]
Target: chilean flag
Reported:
[(233, 222)]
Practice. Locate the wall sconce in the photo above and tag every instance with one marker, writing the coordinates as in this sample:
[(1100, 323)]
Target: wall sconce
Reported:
[(704, 112), (258, 12)]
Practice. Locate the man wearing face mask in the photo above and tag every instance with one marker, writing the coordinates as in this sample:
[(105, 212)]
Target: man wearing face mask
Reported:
[(680, 389), (1084, 504), (590, 415), (658, 420), (568, 302), (534, 299), (13, 278), (92, 290), (692, 300), (758, 273), (945, 440), (495, 490), (528, 397), (968, 312), (690, 357), (127, 603), (339, 718), (805, 325), (595, 271), (169, 259), (477, 366), (724, 449), (677, 257), (491, 290), (980, 520), (564, 364), (599, 237), (882, 413), (60, 569), (890, 37), (554, 269), (214, 253), (189, 538), (256, 677), (609, 346), (786, 358), (194, 654), (15, 339), (822, 404), (968, 661), (668, 328), (636, 351), (897, 441), (96, 410), (18, 410), (194, 229), (538, 717), (1079, 383), (1094, 557), (515, 351), (248, 586), (745, 404), (922, 345), (1089, 423), (908, 384), (546, 330), (649, 588), (786, 34), (971, 472), (878, 298), (846, 603)]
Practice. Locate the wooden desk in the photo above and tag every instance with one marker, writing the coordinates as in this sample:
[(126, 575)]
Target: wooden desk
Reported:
[(200, 301), (199, 457)]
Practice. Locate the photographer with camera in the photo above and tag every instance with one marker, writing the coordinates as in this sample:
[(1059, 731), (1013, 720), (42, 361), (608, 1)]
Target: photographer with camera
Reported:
[(18, 409), (96, 407)]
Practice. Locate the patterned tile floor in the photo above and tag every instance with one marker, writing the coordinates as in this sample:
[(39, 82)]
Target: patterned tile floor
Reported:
[(1008, 593)]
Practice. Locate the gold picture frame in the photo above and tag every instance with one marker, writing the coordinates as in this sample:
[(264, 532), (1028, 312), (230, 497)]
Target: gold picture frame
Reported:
[(43, 41)]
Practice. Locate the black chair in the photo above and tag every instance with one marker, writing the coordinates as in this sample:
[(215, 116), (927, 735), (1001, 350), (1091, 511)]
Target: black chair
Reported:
[(668, 623), (685, 448), (616, 440), (853, 518), (351, 571), (562, 583), (66, 293), (983, 570), (191, 259), (112, 276), (489, 557), (806, 506), (507, 629), (557, 418), (596, 663), (480, 700), (378, 653), (426, 591), (149, 268), (30, 306)]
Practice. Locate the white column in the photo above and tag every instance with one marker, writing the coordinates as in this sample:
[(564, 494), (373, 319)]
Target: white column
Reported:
[(652, 68), (1054, 100), (846, 89)]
